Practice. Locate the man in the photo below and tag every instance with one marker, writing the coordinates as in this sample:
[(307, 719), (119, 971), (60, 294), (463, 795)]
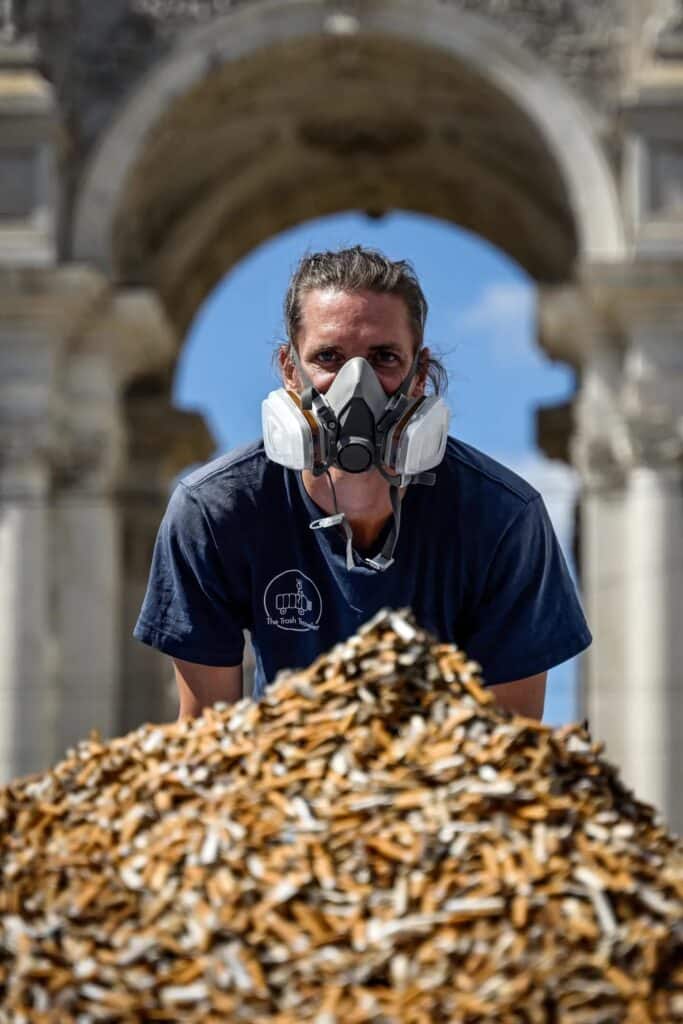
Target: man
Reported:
[(303, 556)]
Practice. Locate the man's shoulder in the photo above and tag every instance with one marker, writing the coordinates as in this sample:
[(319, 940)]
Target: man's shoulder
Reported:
[(241, 467), (474, 471), (239, 483)]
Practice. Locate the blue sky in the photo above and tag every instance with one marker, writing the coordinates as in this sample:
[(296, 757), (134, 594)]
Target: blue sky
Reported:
[(481, 323)]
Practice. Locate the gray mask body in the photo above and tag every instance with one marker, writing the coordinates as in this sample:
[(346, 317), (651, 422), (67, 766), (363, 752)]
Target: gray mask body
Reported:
[(359, 403)]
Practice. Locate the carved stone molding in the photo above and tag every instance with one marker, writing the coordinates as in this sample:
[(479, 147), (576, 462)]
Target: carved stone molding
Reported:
[(571, 325), (58, 301), (70, 345), (601, 446), (39, 309), (652, 389), (127, 340), (581, 38), (622, 326)]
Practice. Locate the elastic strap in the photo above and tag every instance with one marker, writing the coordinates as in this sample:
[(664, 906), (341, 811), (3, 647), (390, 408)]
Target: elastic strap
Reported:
[(338, 519), (385, 558)]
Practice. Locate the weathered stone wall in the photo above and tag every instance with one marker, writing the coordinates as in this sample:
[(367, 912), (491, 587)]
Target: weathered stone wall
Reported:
[(581, 39), (94, 53)]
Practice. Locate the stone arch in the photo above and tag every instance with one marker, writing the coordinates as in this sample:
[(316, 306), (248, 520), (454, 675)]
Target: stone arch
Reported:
[(284, 111)]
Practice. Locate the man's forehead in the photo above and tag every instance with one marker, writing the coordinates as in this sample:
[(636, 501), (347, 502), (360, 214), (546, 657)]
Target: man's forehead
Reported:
[(334, 307), (332, 296)]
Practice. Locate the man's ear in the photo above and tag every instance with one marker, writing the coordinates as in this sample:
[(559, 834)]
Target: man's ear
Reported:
[(420, 381), (290, 378)]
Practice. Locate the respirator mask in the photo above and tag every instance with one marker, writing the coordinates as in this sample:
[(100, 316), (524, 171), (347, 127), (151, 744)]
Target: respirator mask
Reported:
[(356, 426)]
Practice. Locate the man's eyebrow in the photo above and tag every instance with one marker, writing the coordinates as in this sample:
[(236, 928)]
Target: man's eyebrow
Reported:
[(324, 346)]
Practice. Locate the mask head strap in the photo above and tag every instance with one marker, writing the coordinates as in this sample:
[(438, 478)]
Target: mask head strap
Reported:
[(408, 380), (312, 399), (399, 400), (385, 558), (307, 395)]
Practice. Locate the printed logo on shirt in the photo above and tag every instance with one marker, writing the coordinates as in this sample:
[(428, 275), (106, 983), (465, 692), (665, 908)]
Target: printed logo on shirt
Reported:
[(292, 601)]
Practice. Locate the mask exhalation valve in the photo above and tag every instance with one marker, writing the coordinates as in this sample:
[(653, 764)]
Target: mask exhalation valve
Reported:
[(355, 455)]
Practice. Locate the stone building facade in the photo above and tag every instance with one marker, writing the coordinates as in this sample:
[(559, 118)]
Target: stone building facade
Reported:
[(147, 145)]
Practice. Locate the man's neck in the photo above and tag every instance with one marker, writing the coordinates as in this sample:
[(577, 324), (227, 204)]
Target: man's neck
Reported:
[(362, 497)]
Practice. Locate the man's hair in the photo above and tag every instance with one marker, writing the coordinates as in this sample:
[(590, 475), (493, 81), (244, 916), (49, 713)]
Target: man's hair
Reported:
[(355, 270)]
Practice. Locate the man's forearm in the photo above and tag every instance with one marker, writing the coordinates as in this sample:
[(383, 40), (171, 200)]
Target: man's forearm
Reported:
[(523, 696), (200, 686)]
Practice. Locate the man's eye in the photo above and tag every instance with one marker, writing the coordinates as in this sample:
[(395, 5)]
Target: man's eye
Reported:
[(386, 357), (327, 358)]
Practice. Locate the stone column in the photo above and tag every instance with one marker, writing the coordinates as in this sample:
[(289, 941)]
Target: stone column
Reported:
[(38, 309), (27, 698), (622, 327), (126, 445), (652, 400), (653, 680), (574, 330), (627, 329), (86, 547), (89, 445), (601, 453)]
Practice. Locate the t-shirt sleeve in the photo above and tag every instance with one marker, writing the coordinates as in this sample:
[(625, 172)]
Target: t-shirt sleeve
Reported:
[(194, 607), (528, 618)]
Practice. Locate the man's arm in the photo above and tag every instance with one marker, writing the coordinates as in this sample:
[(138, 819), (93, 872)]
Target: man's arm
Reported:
[(200, 686), (523, 696)]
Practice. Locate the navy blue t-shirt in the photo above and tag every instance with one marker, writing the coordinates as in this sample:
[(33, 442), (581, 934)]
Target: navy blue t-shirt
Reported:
[(477, 561)]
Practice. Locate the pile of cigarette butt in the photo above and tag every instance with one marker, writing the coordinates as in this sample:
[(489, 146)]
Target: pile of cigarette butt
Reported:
[(374, 841)]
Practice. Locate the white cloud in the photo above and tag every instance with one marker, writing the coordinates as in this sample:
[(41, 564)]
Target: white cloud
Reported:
[(504, 313), (497, 305)]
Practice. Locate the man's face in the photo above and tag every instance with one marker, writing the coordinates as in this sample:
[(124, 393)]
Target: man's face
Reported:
[(337, 326)]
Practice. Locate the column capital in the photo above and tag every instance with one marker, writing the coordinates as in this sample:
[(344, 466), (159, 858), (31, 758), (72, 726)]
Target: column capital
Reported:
[(606, 304), (622, 327), (50, 303), (647, 299), (40, 310), (628, 414), (572, 324), (70, 345), (639, 293), (127, 337)]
